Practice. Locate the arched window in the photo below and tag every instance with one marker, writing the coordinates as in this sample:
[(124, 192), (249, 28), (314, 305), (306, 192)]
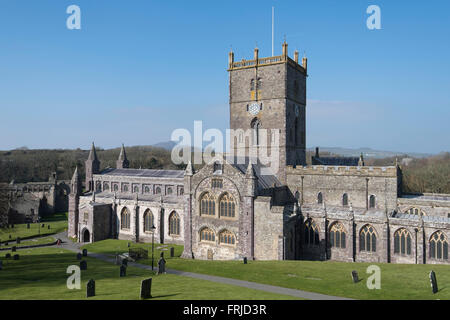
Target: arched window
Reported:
[(368, 239), (402, 242), (439, 246), (181, 191), (207, 205), (125, 188), (319, 198), (106, 186), (207, 235), (158, 190), (256, 125), (227, 206), (116, 187), (252, 85), (125, 219), (311, 233), (415, 211), (146, 189), (148, 221), (345, 200), (136, 189), (337, 235), (174, 224), (372, 201), (226, 237), (98, 186)]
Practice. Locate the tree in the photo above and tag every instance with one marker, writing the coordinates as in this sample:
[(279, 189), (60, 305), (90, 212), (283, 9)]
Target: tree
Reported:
[(4, 205)]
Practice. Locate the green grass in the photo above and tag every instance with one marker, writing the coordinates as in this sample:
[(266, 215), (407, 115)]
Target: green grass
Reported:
[(398, 281), (41, 274), (57, 222), (25, 243)]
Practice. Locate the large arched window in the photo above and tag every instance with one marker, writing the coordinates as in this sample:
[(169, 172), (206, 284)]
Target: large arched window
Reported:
[(319, 198), (226, 237), (148, 221), (368, 239), (402, 242), (174, 224), (311, 233), (207, 235), (256, 126), (337, 235), (227, 206), (207, 205), (439, 246), (125, 218), (345, 200), (372, 201)]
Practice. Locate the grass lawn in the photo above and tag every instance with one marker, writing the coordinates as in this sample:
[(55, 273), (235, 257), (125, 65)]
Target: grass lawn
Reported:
[(58, 223), (33, 242), (398, 281), (41, 274)]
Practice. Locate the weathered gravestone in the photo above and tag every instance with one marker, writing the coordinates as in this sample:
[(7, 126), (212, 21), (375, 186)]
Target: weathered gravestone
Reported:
[(129, 244), (6, 243), (48, 227), (123, 271), (84, 252), (43, 225), (161, 264), (433, 281), (172, 252), (10, 237), (245, 260), (146, 288), (13, 249), (79, 256), (18, 240), (16, 257), (8, 256), (355, 276), (1, 264), (83, 265), (90, 288), (28, 226), (125, 262), (12, 226)]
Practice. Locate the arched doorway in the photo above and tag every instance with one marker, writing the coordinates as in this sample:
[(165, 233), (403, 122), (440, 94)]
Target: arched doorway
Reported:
[(86, 236)]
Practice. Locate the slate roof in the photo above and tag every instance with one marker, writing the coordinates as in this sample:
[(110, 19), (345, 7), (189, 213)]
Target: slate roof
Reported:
[(335, 161), (146, 173), (265, 181)]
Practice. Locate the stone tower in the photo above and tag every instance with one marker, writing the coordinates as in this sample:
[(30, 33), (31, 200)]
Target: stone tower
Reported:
[(122, 162), (92, 167), (269, 93), (74, 200)]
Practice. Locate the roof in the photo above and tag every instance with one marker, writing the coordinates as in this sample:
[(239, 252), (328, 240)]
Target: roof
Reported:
[(336, 161), (146, 173), (265, 181)]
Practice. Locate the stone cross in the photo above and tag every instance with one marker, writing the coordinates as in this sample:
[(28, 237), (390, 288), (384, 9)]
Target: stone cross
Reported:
[(79, 256), (161, 264), (84, 252), (83, 265), (123, 271), (355, 276), (90, 288), (146, 288), (433, 281)]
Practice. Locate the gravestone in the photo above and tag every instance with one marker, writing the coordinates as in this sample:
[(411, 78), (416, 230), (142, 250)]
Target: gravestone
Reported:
[(90, 288), (161, 264), (245, 260), (28, 226), (125, 262), (129, 244), (16, 257), (172, 252), (83, 265), (48, 227), (10, 237), (79, 256), (13, 249), (84, 252), (6, 243), (43, 225), (146, 288), (123, 271), (355, 276), (12, 226), (18, 240), (1, 264), (8, 256), (433, 281)]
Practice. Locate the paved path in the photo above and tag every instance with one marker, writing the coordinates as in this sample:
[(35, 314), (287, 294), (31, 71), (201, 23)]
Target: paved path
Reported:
[(75, 247)]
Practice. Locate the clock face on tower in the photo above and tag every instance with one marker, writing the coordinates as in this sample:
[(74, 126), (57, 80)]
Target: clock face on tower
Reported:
[(253, 109)]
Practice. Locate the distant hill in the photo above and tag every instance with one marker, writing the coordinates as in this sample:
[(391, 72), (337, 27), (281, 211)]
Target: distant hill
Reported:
[(368, 152)]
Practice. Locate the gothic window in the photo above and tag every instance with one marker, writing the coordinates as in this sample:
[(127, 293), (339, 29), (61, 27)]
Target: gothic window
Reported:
[(439, 246), (226, 237), (345, 200), (402, 242), (207, 205), (181, 191), (372, 201), (311, 233), (125, 219), (136, 189), (98, 186), (337, 235), (125, 188), (148, 220), (158, 190), (146, 189), (169, 190), (227, 206), (415, 211), (319, 198), (207, 235), (256, 126), (116, 187), (174, 224), (368, 239), (106, 186)]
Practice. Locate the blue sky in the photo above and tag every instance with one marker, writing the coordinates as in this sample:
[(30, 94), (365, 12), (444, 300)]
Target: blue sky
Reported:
[(137, 70)]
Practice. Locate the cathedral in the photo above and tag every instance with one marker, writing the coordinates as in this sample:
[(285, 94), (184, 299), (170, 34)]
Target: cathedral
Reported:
[(334, 209)]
